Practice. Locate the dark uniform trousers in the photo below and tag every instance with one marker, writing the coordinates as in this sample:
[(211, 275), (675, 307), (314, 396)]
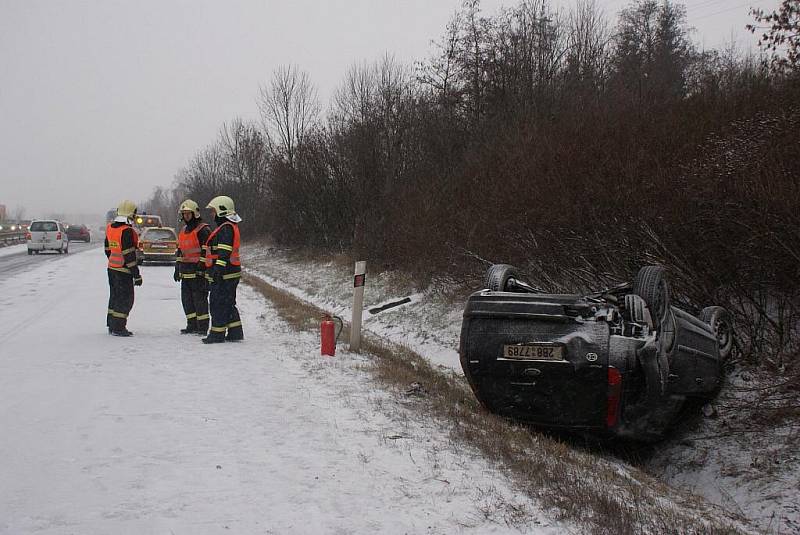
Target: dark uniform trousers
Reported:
[(224, 314), (194, 297), (120, 302)]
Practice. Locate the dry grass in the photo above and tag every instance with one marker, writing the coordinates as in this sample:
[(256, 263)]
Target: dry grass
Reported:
[(578, 486)]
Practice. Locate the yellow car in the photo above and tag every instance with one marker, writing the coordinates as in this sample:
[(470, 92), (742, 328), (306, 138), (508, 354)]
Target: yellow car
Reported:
[(157, 244)]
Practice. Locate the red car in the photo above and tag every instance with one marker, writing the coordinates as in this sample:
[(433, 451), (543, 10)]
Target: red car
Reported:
[(78, 233)]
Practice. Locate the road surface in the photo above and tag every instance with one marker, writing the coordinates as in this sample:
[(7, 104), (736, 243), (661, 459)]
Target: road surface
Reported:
[(15, 259), (159, 433)]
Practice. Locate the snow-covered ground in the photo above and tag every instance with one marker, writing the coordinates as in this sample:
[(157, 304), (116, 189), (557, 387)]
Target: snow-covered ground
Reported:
[(9, 250), (745, 474), (160, 434), (750, 468), (429, 323)]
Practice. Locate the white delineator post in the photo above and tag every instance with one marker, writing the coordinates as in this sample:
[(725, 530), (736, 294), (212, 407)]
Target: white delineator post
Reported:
[(358, 304)]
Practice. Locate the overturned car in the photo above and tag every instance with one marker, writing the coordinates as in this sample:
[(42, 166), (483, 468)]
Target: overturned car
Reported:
[(619, 362)]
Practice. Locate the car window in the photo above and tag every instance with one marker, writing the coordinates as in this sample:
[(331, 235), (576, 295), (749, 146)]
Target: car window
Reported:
[(159, 234), (44, 226)]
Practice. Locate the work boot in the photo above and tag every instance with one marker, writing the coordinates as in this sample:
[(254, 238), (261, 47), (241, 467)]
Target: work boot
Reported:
[(202, 327), (214, 338), (235, 334), (191, 327), (124, 332)]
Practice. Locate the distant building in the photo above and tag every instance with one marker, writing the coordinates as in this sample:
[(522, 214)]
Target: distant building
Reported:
[(2, 212)]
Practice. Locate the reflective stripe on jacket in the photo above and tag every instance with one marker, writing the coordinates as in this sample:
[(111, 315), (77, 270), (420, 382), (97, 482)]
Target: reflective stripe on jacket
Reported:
[(213, 249), (116, 255), (190, 246)]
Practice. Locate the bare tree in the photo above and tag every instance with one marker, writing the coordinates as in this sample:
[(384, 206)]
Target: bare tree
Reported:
[(588, 39), (653, 50), (440, 71), (781, 31), (354, 99), (289, 107)]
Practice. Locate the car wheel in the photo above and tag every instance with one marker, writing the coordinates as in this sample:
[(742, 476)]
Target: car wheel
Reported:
[(721, 323), (497, 277), (651, 285), (635, 309)]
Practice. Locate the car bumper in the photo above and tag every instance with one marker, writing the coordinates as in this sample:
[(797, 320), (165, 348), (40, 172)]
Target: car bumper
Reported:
[(155, 257), (46, 246)]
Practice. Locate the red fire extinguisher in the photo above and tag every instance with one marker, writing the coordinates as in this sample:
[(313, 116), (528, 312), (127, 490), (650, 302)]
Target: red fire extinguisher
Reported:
[(329, 335)]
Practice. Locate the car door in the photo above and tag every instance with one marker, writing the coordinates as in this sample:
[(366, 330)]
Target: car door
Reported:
[(43, 232), (36, 233)]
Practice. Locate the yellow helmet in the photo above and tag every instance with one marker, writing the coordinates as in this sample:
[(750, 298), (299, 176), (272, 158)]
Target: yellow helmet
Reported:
[(190, 206), (126, 209), (223, 205)]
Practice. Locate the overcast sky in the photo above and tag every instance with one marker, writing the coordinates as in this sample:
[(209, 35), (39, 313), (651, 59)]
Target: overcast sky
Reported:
[(105, 99)]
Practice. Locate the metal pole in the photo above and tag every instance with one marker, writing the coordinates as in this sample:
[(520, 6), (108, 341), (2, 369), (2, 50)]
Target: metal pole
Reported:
[(358, 304)]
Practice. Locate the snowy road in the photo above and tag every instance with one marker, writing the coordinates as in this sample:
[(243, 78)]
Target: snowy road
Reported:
[(161, 434), (15, 259)]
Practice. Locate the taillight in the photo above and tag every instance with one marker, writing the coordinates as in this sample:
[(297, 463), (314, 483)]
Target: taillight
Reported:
[(614, 395), (27, 235), (58, 236)]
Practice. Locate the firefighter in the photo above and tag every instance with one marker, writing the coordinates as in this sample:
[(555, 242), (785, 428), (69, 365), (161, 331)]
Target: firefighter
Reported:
[(123, 271), (190, 266), (223, 271)]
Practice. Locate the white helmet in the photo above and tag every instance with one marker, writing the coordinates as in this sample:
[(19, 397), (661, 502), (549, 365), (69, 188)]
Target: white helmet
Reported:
[(126, 209), (190, 206), (223, 205)]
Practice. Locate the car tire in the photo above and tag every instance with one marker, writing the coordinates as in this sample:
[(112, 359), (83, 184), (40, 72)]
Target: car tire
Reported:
[(635, 309), (651, 285), (722, 324), (498, 275)]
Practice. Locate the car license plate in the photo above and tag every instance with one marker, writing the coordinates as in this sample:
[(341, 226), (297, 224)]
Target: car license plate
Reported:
[(534, 351), (159, 246)]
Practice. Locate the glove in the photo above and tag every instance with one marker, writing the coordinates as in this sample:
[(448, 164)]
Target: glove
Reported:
[(176, 276), (137, 281)]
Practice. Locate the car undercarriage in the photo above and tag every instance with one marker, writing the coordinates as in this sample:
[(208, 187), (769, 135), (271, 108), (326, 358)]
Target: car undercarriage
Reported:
[(618, 362)]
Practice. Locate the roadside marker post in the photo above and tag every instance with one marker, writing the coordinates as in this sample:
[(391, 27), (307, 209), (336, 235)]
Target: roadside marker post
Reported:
[(358, 304)]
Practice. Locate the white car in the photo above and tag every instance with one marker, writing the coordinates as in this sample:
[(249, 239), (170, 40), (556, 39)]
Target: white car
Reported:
[(47, 235)]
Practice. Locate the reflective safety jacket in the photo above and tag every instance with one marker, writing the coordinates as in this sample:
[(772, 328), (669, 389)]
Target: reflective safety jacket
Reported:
[(121, 242), (223, 251), (191, 256)]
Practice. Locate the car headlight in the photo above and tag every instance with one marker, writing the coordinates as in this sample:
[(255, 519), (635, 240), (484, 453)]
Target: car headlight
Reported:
[(13, 227)]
